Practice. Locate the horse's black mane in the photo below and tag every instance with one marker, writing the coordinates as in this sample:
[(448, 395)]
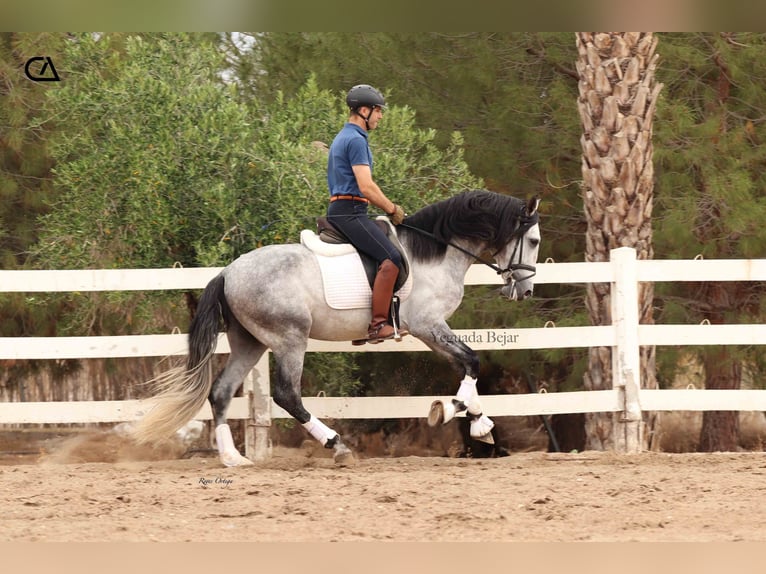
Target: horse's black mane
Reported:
[(477, 214)]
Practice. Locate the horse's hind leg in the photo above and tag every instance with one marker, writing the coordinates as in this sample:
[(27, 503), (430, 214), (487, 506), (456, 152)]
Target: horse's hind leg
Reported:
[(245, 352), (287, 394)]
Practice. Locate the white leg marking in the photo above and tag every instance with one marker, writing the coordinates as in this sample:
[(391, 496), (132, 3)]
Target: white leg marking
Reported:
[(319, 430), (227, 452), (481, 426), (467, 390)]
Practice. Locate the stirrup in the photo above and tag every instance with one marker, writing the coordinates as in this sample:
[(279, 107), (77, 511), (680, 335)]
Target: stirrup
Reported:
[(372, 335), (393, 313), (359, 342)]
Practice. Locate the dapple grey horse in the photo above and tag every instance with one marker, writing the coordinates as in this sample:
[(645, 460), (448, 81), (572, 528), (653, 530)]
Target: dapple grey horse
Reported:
[(272, 298)]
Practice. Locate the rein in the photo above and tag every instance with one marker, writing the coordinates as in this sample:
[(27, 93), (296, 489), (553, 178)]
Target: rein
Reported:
[(511, 266)]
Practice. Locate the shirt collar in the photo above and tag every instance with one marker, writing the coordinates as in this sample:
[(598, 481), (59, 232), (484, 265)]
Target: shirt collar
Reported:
[(357, 128)]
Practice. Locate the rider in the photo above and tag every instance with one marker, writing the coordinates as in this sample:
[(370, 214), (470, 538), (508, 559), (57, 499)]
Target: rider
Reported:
[(352, 189)]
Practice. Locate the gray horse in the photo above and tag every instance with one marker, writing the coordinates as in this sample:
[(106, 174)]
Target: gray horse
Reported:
[(273, 298)]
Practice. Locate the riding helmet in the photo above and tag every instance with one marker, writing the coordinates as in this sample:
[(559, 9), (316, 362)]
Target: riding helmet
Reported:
[(364, 95)]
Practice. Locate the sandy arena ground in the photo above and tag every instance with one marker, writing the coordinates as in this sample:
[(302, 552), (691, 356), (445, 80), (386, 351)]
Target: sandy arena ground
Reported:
[(300, 495)]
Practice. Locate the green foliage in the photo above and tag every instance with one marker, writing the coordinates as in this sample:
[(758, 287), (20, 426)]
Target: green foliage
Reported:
[(710, 165), (149, 145), (507, 93), (25, 184), (331, 374), (24, 162), (709, 195)]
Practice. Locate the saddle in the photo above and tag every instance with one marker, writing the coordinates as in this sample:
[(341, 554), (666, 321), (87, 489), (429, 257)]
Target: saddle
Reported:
[(330, 235)]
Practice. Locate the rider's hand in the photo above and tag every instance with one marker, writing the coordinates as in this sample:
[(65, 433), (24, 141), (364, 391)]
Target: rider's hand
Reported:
[(397, 215)]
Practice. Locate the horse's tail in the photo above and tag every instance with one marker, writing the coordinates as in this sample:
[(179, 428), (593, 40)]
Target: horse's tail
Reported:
[(182, 391)]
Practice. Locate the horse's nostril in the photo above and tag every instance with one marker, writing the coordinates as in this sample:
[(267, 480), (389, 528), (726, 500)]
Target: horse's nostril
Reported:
[(527, 294)]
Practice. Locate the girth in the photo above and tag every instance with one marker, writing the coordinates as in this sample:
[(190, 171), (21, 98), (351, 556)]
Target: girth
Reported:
[(328, 233)]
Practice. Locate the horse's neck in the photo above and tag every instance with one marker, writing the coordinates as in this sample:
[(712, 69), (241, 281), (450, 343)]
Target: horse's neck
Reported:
[(455, 263), (460, 262)]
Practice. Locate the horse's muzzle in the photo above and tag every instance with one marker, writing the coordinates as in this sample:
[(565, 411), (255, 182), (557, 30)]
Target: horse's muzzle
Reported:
[(517, 290)]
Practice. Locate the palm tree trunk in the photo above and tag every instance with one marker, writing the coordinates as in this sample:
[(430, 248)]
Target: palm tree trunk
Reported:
[(617, 99)]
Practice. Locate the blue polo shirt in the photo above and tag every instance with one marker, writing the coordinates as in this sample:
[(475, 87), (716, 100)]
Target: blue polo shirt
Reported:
[(349, 148)]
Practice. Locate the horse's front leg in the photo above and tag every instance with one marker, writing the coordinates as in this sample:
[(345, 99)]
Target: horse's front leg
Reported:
[(444, 341), (466, 399)]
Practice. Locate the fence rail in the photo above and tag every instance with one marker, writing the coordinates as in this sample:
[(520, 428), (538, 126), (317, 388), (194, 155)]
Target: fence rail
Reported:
[(625, 336)]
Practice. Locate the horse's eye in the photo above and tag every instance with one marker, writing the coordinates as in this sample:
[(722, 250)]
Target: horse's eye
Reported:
[(534, 242)]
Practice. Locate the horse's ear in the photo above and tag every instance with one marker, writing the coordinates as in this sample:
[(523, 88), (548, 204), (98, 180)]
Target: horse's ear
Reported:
[(532, 205)]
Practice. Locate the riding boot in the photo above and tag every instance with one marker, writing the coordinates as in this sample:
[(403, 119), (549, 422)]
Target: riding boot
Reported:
[(382, 292)]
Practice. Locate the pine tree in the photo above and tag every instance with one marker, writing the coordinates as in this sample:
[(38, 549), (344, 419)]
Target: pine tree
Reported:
[(712, 177)]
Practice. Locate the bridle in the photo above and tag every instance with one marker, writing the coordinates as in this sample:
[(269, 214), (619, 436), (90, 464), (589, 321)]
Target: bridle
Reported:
[(519, 266), (525, 223)]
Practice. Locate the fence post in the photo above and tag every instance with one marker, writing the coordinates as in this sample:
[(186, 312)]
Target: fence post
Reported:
[(257, 426), (627, 426)]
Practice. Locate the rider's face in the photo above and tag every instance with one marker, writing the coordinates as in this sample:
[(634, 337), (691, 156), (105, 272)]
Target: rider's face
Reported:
[(375, 116)]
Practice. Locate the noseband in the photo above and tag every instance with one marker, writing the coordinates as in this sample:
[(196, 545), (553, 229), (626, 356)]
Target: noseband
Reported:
[(512, 267), (518, 266)]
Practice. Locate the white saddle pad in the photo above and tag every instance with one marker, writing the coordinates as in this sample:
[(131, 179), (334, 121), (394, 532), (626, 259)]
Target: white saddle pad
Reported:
[(343, 277)]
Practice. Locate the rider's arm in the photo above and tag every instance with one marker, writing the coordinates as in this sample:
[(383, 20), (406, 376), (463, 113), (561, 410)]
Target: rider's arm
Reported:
[(370, 189)]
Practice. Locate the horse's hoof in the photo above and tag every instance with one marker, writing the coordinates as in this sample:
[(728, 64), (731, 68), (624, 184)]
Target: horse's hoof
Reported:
[(344, 457), (436, 414), (442, 412), (487, 438), (481, 429), (235, 459)]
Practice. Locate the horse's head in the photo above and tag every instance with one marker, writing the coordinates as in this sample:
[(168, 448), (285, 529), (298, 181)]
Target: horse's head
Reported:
[(519, 257)]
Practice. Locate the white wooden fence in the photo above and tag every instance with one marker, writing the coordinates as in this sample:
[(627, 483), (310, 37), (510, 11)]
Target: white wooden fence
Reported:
[(625, 335)]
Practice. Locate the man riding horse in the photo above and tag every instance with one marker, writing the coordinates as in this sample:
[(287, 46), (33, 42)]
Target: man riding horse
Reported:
[(352, 189), (442, 241)]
